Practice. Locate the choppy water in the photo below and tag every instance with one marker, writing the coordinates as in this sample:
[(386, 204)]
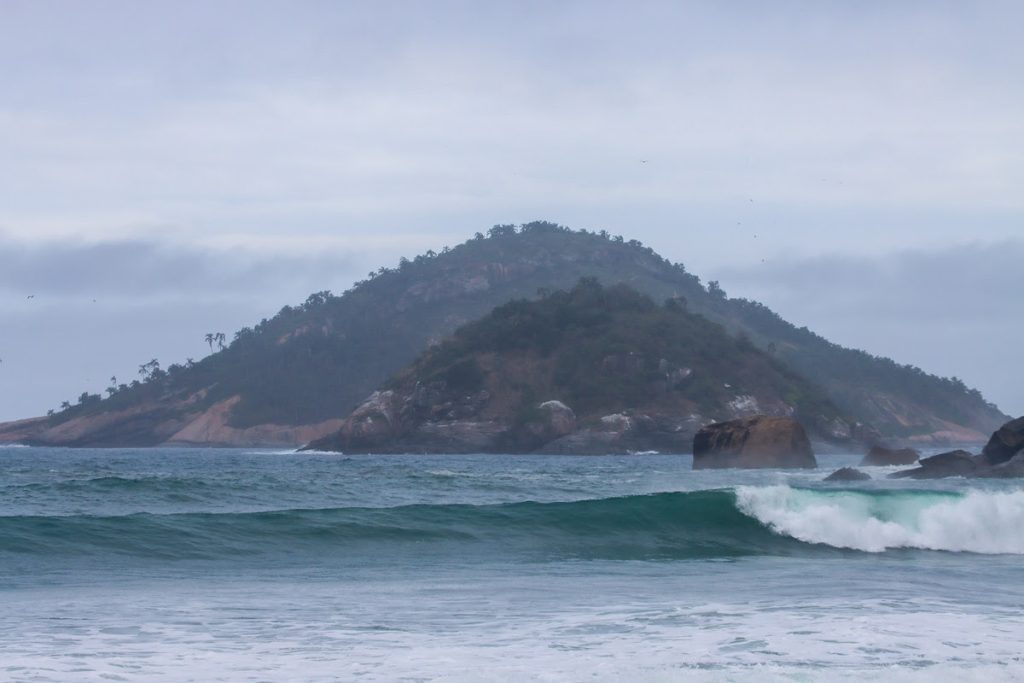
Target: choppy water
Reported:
[(172, 565)]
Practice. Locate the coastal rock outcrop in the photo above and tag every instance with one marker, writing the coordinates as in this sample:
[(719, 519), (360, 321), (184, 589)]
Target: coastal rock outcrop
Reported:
[(847, 474), (1002, 458), (754, 442), (629, 433), (1011, 469), (958, 463), (1005, 443), (880, 456)]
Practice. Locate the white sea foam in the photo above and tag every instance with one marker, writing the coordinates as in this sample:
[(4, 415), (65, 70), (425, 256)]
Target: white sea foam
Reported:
[(208, 638), (978, 522)]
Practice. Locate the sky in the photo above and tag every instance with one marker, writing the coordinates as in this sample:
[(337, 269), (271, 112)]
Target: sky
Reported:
[(169, 169)]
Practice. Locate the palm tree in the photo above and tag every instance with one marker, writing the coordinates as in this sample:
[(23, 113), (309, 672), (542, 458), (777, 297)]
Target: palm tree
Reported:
[(219, 338), (209, 340)]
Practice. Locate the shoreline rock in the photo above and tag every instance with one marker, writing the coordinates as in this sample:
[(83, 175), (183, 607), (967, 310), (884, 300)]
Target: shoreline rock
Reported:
[(847, 474), (1006, 442), (957, 463), (1002, 458), (753, 443)]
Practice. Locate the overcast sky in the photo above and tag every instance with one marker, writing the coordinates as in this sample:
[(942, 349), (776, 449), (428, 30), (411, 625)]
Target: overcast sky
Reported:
[(171, 169)]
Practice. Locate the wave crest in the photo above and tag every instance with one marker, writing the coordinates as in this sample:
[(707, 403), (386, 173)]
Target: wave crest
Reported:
[(875, 521)]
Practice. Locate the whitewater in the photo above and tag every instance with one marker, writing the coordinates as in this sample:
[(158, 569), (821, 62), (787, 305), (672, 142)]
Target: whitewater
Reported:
[(240, 565)]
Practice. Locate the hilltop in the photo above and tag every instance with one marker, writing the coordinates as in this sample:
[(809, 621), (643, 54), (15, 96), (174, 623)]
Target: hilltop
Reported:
[(591, 370), (293, 378)]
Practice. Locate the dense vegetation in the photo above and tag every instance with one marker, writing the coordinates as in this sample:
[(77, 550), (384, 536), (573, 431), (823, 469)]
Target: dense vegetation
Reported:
[(612, 349), (317, 360)]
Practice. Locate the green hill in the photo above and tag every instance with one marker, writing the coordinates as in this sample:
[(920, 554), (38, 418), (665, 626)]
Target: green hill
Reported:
[(626, 374), (293, 377)]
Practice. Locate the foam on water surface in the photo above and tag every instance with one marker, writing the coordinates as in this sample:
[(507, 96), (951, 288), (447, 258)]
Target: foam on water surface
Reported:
[(229, 565), (977, 521)]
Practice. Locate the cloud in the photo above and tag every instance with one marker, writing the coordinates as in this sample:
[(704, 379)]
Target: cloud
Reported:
[(952, 311), (354, 113), (968, 282), (140, 269)]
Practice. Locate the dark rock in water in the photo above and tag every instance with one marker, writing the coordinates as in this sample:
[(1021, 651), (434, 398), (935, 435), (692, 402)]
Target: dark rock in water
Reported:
[(880, 456), (1011, 469), (957, 463), (847, 474), (1005, 443), (754, 442), (1002, 458)]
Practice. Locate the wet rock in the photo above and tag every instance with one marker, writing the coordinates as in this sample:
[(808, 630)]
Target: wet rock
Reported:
[(957, 463), (1011, 469), (754, 442), (1007, 441), (847, 474), (880, 456)]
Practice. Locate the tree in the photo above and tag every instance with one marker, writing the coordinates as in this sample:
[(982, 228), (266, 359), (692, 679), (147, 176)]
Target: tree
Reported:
[(209, 340), (317, 298), (65, 405), (150, 370), (219, 338), (501, 230), (715, 290)]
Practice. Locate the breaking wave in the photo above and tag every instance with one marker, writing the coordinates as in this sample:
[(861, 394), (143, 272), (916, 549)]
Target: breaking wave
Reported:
[(773, 520)]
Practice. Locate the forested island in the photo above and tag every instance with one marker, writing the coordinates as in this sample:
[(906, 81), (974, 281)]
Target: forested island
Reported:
[(297, 376)]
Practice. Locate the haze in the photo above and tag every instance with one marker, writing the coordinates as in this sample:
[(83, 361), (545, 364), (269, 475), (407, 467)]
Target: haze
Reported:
[(173, 169)]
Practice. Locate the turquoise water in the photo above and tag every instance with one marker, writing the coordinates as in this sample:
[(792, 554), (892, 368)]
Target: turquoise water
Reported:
[(176, 565)]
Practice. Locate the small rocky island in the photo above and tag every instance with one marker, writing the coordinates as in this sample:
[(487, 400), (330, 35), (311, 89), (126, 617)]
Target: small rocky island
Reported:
[(595, 370), (753, 443)]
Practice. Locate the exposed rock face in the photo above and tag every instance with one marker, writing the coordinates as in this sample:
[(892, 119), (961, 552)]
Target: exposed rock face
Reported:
[(957, 463), (1011, 469), (847, 474), (620, 433), (559, 420), (1007, 442), (374, 422), (551, 420), (426, 420), (880, 456), (754, 442), (211, 428), (1003, 458)]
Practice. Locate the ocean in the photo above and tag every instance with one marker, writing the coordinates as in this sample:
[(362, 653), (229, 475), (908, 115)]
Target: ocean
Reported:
[(247, 565)]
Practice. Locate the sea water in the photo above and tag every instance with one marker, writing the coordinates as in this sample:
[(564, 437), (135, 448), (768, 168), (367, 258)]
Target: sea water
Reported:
[(236, 565)]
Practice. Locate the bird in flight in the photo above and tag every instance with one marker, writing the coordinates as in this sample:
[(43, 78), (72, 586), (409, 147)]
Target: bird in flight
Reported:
[(31, 296)]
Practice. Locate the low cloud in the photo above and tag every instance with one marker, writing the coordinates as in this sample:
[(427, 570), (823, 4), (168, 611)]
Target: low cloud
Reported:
[(954, 311), (135, 269), (968, 282)]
